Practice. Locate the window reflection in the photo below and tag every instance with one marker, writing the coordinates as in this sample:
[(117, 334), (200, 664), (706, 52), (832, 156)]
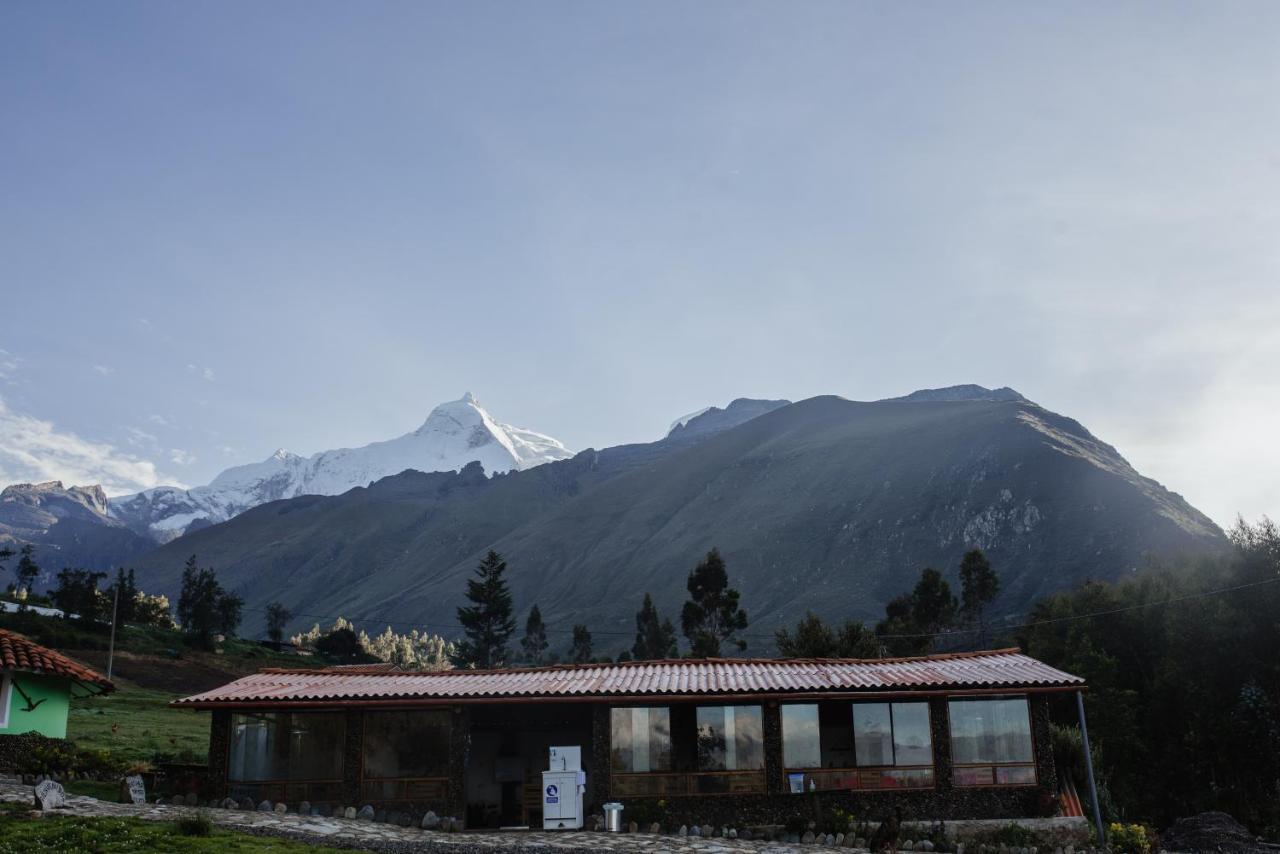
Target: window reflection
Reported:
[(730, 738), (641, 739), (287, 746), (406, 744)]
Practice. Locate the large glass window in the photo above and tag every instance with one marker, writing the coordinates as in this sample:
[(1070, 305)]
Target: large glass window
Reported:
[(873, 734), (841, 745), (641, 739), (801, 736), (730, 738), (406, 744), (287, 746), (989, 733)]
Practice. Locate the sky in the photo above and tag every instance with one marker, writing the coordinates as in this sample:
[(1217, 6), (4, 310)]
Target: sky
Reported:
[(230, 227)]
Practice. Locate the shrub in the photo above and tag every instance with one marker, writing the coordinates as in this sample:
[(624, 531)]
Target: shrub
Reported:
[(1012, 834), (1128, 838), (195, 825)]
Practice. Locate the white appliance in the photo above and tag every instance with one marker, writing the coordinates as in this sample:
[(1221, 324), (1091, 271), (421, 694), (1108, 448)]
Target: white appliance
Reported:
[(563, 784)]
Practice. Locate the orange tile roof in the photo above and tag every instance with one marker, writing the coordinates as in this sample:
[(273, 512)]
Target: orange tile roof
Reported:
[(20, 653), (986, 670)]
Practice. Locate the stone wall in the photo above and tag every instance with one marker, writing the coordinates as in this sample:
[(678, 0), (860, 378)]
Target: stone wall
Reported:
[(219, 753), (13, 748)]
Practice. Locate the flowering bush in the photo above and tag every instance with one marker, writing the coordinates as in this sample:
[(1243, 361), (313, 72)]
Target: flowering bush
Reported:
[(1128, 838)]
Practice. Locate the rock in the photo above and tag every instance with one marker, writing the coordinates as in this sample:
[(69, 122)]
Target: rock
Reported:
[(1208, 831), (684, 830), (655, 828), (265, 806), (859, 842), (365, 813), (829, 839), (839, 840), (924, 845), (229, 804), (349, 812), (808, 838), (431, 821), (304, 808), (247, 803), (50, 795), (695, 831), (908, 845), (633, 827), (733, 833), (132, 790), (281, 807), (405, 820)]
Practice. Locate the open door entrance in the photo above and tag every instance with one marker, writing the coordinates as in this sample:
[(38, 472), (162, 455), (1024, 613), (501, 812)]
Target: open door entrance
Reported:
[(509, 747)]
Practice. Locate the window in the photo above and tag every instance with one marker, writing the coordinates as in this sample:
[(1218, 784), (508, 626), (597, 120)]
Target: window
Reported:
[(991, 742), (6, 697), (837, 745), (287, 746), (408, 744), (730, 738), (641, 739)]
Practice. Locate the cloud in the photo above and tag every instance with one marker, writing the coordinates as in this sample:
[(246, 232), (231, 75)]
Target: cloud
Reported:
[(105, 370), (140, 438), (205, 373), (160, 420), (33, 450), (181, 457), (8, 364)]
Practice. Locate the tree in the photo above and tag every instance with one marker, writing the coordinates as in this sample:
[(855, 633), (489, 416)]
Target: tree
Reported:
[(28, 571), (343, 646), (277, 618), (204, 608), (127, 610), (932, 604), (488, 622), (712, 617), (6, 554), (534, 644), (978, 587), (580, 651), (655, 638), (77, 593), (813, 639), (913, 619)]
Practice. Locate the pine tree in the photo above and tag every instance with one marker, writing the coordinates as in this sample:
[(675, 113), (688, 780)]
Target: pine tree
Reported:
[(932, 604), (813, 639), (28, 571), (6, 554), (655, 638), (534, 644), (204, 608), (580, 651), (711, 617), (277, 617), (978, 587), (488, 622), (127, 609)]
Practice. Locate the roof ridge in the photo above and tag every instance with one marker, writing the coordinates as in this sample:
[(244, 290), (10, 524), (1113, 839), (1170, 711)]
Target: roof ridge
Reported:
[(339, 670)]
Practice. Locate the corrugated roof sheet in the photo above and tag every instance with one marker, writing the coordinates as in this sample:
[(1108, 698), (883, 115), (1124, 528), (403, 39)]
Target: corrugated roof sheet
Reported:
[(20, 653), (1006, 668)]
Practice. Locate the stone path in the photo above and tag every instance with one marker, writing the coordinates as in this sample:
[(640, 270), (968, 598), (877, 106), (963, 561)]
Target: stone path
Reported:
[(370, 836)]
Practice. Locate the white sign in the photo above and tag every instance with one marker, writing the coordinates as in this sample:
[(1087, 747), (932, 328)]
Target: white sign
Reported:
[(50, 795), (137, 791)]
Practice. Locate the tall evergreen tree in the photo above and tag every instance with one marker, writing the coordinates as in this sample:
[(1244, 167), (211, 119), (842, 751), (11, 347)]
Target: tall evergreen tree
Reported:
[(655, 637), (813, 639), (932, 604), (534, 644), (77, 593), (277, 618), (6, 554), (204, 608), (487, 622), (28, 570), (580, 651), (127, 609), (978, 588), (712, 617)]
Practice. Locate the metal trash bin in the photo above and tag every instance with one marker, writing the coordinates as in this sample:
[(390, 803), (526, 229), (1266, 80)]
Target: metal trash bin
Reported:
[(613, 818)]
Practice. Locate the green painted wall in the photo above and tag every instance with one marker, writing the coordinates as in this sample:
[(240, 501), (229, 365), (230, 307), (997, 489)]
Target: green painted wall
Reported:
[(48, 718)]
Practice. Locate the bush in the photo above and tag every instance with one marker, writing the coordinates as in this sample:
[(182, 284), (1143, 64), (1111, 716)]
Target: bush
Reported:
[(195, 825), (1128, 838), (1012, 834), (63, 757)]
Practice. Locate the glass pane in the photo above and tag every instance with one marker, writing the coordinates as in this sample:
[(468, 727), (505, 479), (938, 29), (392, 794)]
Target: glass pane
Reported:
[(641, 739), (997, 730), (406, 744), (980, 776), (287, 746), (872, 734), (730, 738), (912, 741), (1016, 775), (801, 745)]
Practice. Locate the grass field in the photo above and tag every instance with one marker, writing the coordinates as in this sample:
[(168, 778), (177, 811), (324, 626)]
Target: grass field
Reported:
[(22, 834), (137, 724)]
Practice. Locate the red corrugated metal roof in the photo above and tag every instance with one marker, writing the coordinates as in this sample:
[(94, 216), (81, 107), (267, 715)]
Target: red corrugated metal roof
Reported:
[(992, 669), (20, 653)]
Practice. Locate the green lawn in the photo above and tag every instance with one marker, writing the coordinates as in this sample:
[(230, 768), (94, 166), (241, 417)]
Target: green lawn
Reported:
[(137, 724), (22, 834)]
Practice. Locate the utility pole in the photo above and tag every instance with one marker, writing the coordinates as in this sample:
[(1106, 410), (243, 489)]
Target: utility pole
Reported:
[(111, 650), (1088, 764)]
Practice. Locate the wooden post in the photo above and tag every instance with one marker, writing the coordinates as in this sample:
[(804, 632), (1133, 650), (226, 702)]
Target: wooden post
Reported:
[(1088, 764)]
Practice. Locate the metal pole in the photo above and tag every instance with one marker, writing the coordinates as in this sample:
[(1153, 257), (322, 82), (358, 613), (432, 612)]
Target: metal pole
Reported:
[(111, 650), (1088, 764)]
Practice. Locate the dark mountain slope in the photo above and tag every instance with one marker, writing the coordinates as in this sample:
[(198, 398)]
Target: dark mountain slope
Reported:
[(826, 504), (68, 527)]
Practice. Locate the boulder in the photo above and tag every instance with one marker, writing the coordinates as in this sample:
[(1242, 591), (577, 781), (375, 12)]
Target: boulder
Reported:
[(829, 839), (229, 804), (282, 807), (655, 828), (633, 827), (732, 834), (430, 821), (684, 830), (924, 845), (132, 790), (405, 820), (247, 804), (1209, 831), (808, 838), (304, 808), (50, 795), (365, 813), (265, 806), (349, 812)]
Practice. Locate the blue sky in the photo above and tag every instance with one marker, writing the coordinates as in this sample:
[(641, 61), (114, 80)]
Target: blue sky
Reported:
[(228, 227)]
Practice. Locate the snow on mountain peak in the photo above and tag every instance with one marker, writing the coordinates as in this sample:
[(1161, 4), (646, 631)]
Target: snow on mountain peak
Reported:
[(454, 434)]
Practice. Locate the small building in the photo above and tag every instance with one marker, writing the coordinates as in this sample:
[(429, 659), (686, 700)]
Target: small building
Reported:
[(37, 684), (721, 740)]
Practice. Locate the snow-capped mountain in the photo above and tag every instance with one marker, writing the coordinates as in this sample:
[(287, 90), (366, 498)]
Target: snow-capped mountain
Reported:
[(454, 434)]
